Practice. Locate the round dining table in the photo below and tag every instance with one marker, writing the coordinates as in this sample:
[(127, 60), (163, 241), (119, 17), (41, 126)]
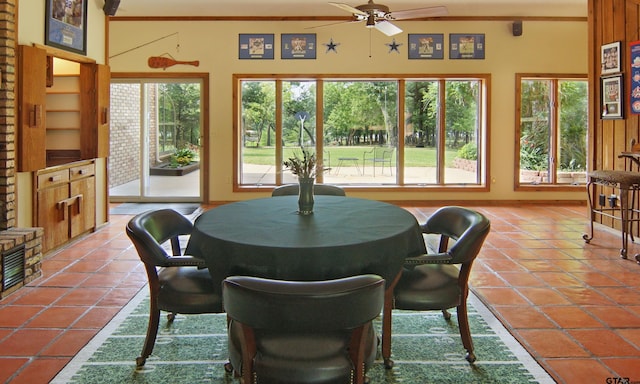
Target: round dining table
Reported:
[(344, 236)]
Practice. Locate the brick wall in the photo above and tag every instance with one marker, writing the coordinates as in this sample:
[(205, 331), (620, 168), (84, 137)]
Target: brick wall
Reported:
[(10, 236), (124, 156)]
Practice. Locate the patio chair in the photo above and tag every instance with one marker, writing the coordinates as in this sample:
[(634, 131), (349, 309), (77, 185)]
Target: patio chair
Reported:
[(379, 155)]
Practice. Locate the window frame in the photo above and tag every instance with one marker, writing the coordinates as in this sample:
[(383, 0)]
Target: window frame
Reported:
[(554, 117), (483, 129)]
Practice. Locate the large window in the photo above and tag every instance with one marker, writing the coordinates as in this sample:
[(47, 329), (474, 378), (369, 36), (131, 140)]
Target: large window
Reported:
[(387, 132), (552, 131)]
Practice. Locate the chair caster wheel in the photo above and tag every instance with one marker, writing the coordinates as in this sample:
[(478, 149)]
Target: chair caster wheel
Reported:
[(446, 314), (471, 357), (388, 363), (171, 317), (140, 361)]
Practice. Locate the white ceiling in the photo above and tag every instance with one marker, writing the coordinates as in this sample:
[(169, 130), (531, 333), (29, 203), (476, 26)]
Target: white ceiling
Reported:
[(523, 8)]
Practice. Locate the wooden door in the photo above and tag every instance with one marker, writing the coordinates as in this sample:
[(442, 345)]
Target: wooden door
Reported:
[(95, 83), (52, 217), (31, 128), (83, 211)]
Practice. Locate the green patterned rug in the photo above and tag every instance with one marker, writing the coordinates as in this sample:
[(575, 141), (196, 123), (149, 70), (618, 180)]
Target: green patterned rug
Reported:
[(426, 349)]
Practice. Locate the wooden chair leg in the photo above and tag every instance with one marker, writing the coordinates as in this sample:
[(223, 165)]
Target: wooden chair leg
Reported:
[(152, 332), (465, 331)]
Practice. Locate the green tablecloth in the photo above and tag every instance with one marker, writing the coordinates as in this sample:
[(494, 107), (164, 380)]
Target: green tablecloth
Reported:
[(343, 237)]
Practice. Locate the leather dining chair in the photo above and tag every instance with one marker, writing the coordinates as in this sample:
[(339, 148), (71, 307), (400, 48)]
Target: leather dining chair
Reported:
[(318, 189), (177, 283), (438, 280), (302, 331)]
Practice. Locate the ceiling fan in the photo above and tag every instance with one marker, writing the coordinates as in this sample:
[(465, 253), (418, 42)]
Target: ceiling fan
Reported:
[(379, 16)]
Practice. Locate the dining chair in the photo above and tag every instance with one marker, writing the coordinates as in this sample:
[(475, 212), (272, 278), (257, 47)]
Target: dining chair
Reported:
[(177, 283), (439, 279), (318, 189), (302, 331)]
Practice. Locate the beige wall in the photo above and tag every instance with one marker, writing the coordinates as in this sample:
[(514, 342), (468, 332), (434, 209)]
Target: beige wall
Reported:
[(31, 31), (544, 47)]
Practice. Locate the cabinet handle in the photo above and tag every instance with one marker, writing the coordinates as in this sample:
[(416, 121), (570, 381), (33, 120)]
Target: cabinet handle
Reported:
[(105, 115), (35, 115), (55, 178)]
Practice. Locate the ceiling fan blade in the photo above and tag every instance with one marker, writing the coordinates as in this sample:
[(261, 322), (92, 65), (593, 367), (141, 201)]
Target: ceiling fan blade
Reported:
[(338, 22), (348, 8), (419, 13), (387, 28)]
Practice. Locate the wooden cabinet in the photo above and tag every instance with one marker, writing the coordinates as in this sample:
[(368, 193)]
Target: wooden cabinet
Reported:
[(69, 117), (65, 202)]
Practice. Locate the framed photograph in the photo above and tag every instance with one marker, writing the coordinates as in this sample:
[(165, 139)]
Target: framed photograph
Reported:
[(466, 46), (298, 46), (611, 96), (426, 46), (634, 89), (66, 25), (251, 46), (610, 58)]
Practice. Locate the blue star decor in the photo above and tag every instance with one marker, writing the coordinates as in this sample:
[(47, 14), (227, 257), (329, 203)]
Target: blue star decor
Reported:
[(331, 46), (393, 46)]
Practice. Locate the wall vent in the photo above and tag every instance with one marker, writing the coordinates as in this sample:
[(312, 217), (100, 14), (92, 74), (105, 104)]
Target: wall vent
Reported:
[(12, 267)]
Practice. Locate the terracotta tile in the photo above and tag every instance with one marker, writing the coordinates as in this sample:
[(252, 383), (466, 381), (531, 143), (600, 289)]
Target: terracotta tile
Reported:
[(517, 317), (585, 296), (85, 266), (538, 265), (13, 316), (120, 266), (70, 343), (622, 295), (542, 296), (503, 265), (106, 280), (96, 318), (501, 296), (631, 335), (40, 370), (551, 343), (27, 342), (9, 366), (56, 317), (558, 279), (118, 297), (82, 297), (624, 367), (578, 370), (521, 279), (41, 296), (615, 317), (604, 343), (596, 279), (571, 317), (65, 279)]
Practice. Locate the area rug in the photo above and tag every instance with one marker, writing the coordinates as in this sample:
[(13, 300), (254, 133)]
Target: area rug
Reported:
[(426, 349), (136, 208)]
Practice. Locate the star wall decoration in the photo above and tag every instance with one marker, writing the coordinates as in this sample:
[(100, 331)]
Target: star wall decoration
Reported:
[(393, 46), (331, 46)]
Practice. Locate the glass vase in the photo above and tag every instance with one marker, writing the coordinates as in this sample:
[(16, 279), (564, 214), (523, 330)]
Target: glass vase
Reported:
[(305, 195)]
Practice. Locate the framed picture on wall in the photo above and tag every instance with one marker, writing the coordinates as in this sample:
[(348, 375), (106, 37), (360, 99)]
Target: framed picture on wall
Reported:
[(611, 97), (298, 46), (66, 25), (466, 46), (610, 58), (426, 46), (252, 46)]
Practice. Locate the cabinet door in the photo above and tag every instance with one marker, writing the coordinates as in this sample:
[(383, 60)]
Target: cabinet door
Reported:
[(31, 132), (52, 217), (95, 89), (83, 211)]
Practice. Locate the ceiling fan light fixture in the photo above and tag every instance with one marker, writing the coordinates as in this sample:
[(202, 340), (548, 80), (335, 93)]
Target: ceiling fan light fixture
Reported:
[(371, 21)]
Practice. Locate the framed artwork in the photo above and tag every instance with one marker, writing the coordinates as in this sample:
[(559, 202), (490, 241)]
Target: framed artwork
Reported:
[(634, 89), (466, 46), (611, 97), (426, 46), (252, 46), (610, 58), (66, 25), (298, 46)]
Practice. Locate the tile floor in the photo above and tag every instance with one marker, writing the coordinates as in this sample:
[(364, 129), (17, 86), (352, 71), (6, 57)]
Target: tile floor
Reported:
[(574, 306)]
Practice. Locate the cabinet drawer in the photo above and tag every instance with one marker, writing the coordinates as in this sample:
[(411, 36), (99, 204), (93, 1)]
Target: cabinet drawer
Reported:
[(81, 171), (52, 178)]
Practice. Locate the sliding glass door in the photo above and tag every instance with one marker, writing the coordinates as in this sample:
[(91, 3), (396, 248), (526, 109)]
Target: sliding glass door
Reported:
[(156, 141)]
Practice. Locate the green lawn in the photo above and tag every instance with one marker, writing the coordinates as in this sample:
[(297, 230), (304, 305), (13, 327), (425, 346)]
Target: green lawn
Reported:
[(414, 157)]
